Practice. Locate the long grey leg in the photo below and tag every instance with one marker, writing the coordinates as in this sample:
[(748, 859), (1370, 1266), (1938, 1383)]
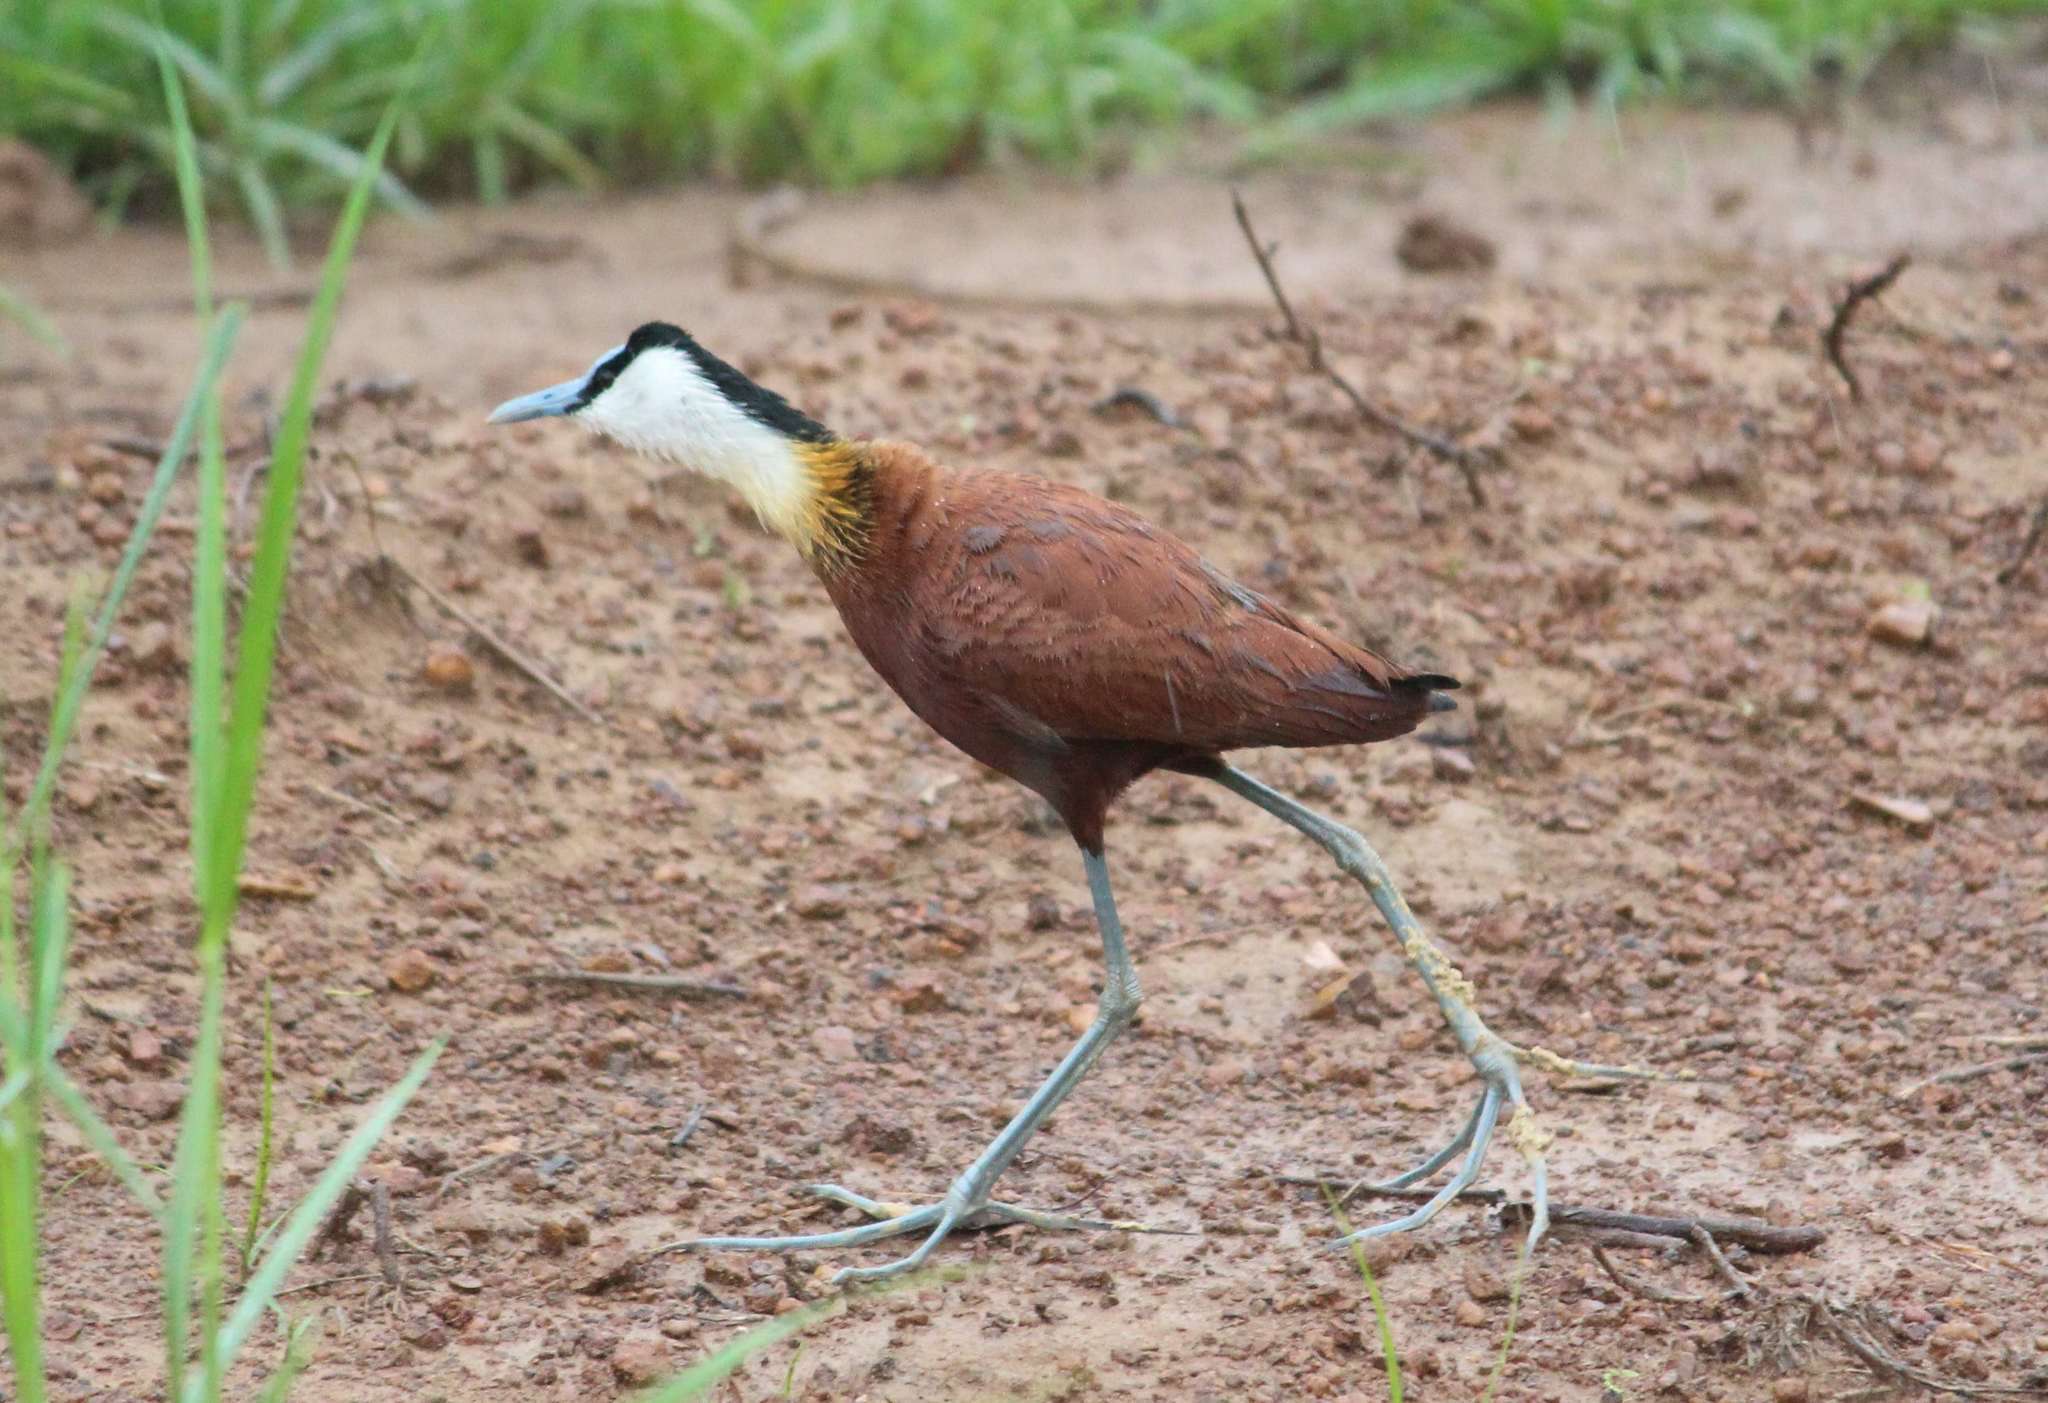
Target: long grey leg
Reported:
[(967, 1200), (1494, 1057)]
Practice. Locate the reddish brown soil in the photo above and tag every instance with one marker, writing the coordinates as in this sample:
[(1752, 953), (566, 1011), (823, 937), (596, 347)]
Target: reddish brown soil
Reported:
[(1653, 855)]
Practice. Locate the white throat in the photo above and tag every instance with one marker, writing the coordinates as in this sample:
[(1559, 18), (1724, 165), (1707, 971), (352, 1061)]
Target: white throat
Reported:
[(663, 406)]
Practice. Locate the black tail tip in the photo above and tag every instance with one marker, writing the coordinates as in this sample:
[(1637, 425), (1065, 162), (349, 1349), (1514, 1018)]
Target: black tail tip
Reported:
[(1434, 685)]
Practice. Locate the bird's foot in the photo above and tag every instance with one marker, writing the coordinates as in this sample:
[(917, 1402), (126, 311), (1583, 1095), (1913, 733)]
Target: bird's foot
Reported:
[(957, 1211), (1498, 1063)]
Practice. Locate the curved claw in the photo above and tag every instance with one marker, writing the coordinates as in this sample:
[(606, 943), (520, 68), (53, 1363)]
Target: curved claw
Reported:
[(1479, 1132)]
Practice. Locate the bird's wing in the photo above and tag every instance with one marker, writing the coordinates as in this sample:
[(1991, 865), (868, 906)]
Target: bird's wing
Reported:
[(1074, 615)]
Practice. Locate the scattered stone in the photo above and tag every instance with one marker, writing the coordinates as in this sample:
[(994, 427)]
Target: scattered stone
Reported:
[(1905, 623), (822, 902), (1790, 1389), (835, 1043), (1484, 1284), (531, 547), (1041, 911), (448, 667), (1911, 812), (1435, 243), (1470, 1314), (566, 502), (145, 1049), (1450, 764), (410, 971), (641, 1359)]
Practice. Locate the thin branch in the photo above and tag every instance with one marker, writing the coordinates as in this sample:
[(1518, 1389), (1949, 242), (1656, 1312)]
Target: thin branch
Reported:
[(498, 645), (1858, 292), (1971, 1073), (1724, 1268), (1467, 460), (2035, 531), (654, 983), (1635, 1286)]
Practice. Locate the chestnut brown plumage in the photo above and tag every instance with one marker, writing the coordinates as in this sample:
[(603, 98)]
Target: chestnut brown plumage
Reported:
[(1072, 645), (1068, 643)]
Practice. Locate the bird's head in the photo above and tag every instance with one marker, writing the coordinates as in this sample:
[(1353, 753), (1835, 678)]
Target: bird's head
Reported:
[(664, 395), (667, 396)]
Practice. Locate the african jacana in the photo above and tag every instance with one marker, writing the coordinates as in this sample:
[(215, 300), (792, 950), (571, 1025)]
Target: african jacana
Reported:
[(1066, 642)]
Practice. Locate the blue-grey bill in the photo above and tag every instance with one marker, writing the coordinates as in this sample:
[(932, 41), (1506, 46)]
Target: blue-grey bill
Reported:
[(541, 404)]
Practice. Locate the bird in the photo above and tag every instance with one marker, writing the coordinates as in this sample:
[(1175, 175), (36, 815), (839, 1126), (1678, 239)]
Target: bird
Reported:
[(1068, 643)]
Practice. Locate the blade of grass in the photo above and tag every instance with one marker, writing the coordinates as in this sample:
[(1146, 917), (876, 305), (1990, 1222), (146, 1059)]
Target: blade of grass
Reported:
[(312, 1211), (257, 652), (700, 1378), (260, 1189), (195, 1211), (1385, 1324), (209, 551), (100, 1136), (25, 314)]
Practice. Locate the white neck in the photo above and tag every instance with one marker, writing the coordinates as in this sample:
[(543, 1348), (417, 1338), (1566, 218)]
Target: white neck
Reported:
[(662, 405)]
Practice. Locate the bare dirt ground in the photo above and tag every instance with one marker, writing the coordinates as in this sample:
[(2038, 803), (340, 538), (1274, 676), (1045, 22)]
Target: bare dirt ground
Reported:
[(1640, 834)]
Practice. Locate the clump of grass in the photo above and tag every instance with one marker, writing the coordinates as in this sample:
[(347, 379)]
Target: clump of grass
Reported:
[(285, 93), (229, 717)]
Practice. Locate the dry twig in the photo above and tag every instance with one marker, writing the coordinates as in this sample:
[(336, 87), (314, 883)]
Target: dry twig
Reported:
[(1724, 1268), (379, 1198), (654, 983), (1971, 1073), (1467, 460), (1858, 292), (2035, 531), (498, 645), (1636, 1286)]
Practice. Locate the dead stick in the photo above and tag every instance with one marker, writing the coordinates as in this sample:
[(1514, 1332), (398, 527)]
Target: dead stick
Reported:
[(1971, 1073), (1704, 1240), (1859, 292), (655, 983), (1635, 1286), (498, 645), (1311, 344), (381, 1236), (2034, 534)]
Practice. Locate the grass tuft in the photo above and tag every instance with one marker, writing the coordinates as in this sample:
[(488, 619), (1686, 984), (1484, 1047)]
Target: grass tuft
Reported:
[(228, 723), (285, 95)]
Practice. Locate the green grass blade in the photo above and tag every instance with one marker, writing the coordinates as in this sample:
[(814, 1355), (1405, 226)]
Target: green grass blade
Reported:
[(25, 314), (209, 552), (191, 188), (49, 943), (20, 1286), (257, 653), (1390, 1354), (265, 212), (16, 1083), (259, 1191), (298, 1353), (64, 717), (98, 1134), (330, 155), (192, 1220), (312, 1211), (700, 1378)]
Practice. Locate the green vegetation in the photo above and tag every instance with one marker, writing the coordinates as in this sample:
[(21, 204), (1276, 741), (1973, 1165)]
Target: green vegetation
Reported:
[(594, 92), (228, 722)]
